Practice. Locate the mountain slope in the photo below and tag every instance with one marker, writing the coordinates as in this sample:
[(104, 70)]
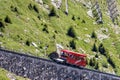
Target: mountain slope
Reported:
[(33, 28)]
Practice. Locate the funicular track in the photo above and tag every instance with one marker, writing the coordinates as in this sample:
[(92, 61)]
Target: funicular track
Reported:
[(42, 69)]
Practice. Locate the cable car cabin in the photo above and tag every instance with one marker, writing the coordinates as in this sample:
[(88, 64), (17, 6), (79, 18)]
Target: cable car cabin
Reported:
[(73, 58)]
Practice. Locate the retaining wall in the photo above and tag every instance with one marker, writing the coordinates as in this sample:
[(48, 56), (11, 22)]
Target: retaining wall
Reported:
[(42, 69)]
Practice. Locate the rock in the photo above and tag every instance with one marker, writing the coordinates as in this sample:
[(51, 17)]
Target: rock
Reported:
[(39, 1), (35, 45), (90, 13), (56, 3), (101, 34), (87, 40), (11, 76)]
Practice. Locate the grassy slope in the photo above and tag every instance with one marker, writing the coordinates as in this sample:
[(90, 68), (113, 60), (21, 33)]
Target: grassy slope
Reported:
[(27, 27), (5, 75)]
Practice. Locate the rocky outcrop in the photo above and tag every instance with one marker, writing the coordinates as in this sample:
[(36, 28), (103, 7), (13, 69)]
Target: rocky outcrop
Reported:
[(57, 3), (39, 1)]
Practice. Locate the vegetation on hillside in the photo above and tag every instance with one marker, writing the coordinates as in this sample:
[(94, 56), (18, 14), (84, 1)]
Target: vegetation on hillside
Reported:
[(29, 27)]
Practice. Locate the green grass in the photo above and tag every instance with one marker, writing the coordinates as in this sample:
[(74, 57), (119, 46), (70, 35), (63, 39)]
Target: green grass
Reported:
[(27, 26), (5, 75)]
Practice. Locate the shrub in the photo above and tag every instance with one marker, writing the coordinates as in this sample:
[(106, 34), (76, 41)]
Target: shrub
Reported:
[(83, 21), (2, 25), (53, 55), (54, 36), (94, 35), (78, 18), (14, 9), (97, 65), (97, 55), (102, 49), (52, 12), (39, 17), (92, 62), (30, 6), (56, 31), (94, 48), (45, 28), (71, 32), (36, 8), (73, 44), (8, 20), (73, 18), (110, 60), (104, 64), (28, 42)]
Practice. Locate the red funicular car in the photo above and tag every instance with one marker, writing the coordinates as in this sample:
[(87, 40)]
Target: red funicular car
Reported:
[(73, 58)]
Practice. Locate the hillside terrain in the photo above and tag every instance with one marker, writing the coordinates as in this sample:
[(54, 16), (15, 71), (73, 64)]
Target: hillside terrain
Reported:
[(34, 27)]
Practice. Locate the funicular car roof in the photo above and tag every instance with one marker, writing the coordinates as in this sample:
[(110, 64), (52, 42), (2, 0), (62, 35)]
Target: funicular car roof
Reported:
[(74, 53)]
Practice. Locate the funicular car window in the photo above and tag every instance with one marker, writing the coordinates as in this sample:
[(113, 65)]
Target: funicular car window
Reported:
[(65, 54), (77, 57)]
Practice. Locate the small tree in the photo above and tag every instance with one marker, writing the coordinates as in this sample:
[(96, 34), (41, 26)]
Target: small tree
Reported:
[(96, 55), (102, 49), (39, 17), (45, 28), (53, 12), (73, 44), (36, 8), (73, 18), (94, 48), (28, 42), (2, 25), (30, 6), (8, 20), (92, 62), (94, 35), (111, 62), (71, 32), (97, 65), (83, 21)]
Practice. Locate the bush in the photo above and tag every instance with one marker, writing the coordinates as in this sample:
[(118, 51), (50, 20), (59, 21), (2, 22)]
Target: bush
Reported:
[(52, 12), (111, 62), (94, 35), (30, 6), (8, 20), (73, 18), (71, 32), (28, 42), (54, 36), (83, 21), (73, 44), (97, 55), (45, 28), (94, 48), (92, 62), (36, 8), (97, 65), (39, 17), (2, 25), (14, 9), (78, 18), (53, 55), (102, 49), (104, 64)]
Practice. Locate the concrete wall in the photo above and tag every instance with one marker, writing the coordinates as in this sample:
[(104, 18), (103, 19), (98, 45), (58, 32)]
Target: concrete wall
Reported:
[(41, 69)]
